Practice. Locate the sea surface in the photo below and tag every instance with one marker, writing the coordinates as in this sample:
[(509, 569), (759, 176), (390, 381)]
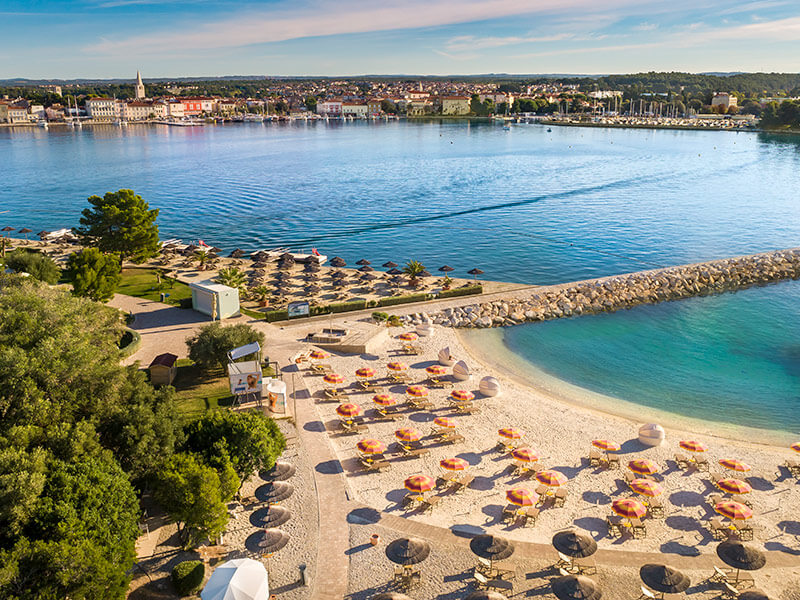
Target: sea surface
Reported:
[(527, 205)]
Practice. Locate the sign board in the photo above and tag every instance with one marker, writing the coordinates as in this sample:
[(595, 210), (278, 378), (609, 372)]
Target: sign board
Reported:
[(298, 309), (245, 383)]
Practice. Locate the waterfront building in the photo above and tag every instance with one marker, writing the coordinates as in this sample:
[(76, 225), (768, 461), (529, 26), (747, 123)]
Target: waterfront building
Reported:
[(724, 99), (330, 108), (139, 111), (374, 106), (226, 105), (175, 109), (103, 109), (455, 105), (139, 91), (355, 109), (3, 112)]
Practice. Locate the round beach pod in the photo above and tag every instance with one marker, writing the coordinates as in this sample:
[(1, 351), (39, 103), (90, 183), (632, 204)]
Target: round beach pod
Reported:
[(489, 386), (445, 358), (425, 330), (461, 371), (651, 434)]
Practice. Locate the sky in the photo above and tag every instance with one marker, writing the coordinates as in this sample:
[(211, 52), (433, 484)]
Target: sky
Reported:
[(181, 38)]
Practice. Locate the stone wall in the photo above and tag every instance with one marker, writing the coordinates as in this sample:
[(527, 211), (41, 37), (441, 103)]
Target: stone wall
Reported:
[(609, 294)]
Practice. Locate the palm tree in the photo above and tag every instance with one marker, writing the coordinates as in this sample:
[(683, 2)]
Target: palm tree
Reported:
[(413, 268), (202, 257), (232, 277), (262, 292)]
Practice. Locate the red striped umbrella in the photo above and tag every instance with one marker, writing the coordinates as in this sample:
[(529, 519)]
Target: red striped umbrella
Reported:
[(409, 336), (734, 486), (418, 391), (397, 366), (365, 372), (693, 446), (348, 410), (795, 446), (629, 508), (444, 422), (333, 378), (407, 434), (551, 478), (735, 465), (735, 511), (453, 464), (384, 400), (419, 484), (645, 487), (462, 396), (606, 445), (643, 466), (509, 433), (521, 497), (370, 446), (525, 455), (319, 355), (436, 370)]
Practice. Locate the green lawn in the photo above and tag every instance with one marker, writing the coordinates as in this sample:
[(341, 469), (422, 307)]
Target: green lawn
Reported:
[(141, 282)]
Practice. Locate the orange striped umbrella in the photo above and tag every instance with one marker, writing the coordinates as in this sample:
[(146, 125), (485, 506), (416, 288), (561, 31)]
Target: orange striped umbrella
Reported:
[(418, 391), (643, 466), (735, 465), (509, 433), (397, 366), (795, 446), (525, 455), (453, 464), (348, 410), (629, 508), (462, 396), (606, 445), (409, 336), (645, 487), (407, 434), (693, 446), (551, 478), (419, 484), (365, 372), (521, 497), (436, 370), (319, 355), (384, 400), (444, 422), (333, 378), (734, 486), (370, 446), (735, 511)]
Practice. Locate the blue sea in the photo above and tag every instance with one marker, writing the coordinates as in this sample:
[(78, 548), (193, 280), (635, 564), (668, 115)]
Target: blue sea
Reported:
[(526, 205)]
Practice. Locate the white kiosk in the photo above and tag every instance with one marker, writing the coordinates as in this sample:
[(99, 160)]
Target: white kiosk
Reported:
[(214, 299)]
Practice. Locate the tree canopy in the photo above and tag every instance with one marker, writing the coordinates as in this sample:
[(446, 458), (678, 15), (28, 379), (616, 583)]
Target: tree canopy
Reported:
[(94, 274), (209, 347), (37, 265)]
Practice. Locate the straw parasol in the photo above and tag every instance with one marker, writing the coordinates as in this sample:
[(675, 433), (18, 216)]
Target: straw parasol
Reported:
[(735, 511), (43, 234), (646, 487), (693, 446), (739, 556), (363, 262), (272, 540), (446, 269), (270, 516), (510, 433), (424, 274), (384, 400), (521, 497), (629, 508), (25, 231), (551, 478), (371, 446), (664, 579), (419, 484), (643, 466), (7, 229), (348, 410), (238, 253), (574, 544), (436, 370), (281, 471), (735, 465), (454, 464), (394, 271), (491, 547), (397, 366), (408, 551), (475, 273), (576, 587), (366, 269), (390, 265), (462, 395), (407, 434), (333, 378), (417, 391), (525, 455), (273, 493), (444, 422), (606, 445), (338, 262), (486, 595), (734, 486)]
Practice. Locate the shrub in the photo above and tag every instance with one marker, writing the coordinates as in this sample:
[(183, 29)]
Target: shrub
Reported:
[(187, 577), (462, 291), (210, 346), (394, 300), (129, 343), (35, 264), (276, 315), (380, 316)]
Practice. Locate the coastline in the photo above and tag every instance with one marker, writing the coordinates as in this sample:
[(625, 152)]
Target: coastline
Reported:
[(494, 355)]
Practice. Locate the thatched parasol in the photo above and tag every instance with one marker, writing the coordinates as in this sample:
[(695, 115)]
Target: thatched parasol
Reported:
[(485, 595), (25, 231), (363, 262), (390, 596), (366, 269), (272, 540), (43, 234), (446, 269), (475, 272), (238, 253), (394, 272), (408, 551), (739, 556), (574, 544), (424, 274), (390, 265), (491, 547), (281, 471), (753, 595), (338, 262), (274, 492), (664, 579), (575, 587), (368, 277), (270, 516)]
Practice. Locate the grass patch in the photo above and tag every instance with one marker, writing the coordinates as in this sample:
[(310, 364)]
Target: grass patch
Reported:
[(141, 282)]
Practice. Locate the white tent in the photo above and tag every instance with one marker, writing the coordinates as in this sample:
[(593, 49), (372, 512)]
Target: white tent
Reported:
[(240, 579)]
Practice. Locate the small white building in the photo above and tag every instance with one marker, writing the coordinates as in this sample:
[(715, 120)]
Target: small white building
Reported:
[(214, 299), (724, 99), (103, 109)]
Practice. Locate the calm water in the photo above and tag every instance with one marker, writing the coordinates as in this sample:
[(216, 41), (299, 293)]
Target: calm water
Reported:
[(524, 205)]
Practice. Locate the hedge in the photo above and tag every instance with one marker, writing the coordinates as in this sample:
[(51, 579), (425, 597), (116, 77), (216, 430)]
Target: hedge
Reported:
[(462, 291), (276, 315), (187, 577), (394, 300), (129, 342)]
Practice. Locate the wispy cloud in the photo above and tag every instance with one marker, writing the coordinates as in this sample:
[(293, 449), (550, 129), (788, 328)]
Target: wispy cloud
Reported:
[(646, 27), (470, 42), (753, 6)]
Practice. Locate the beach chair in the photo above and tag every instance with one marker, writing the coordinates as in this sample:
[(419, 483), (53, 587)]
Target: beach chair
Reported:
[(719, 531), (374, 465), (446, 479), (400, 377), (483, 582), (728, 591), (638, 529), (715, 477), (714, 499), (682, 461), (334, 394), (585, 566), (744, 530), (410, 499), (435, 382), (530, 516), (348, 427), (484, 566), (413, 452), (541, 491), (613, 461), (794, 467), (560, 497), (509, 514), (594, 458), (614, 524), (451, 437), (387, 412), (419, 403), (370, 386), (462, 483), (628, 477), (701, 463), (411, 349), (647, 594), (427, 505), (656, 508), (320, 369), (466, 408), (719, 575)]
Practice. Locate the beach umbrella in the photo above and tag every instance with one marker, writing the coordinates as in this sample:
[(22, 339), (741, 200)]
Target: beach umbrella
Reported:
[(394, 271), (407, 434), (368, 277), (444, 422), (734, 486), (286, 256), (417, 391), (574, 544), (7, 229), (436, 370), (25, 231), (525, 455), (521, 497), (575, 587), (397, 366), (664, 579), (453, 464), (270, 516), (239, 579), (384, 400), (333, 378), (630, 508), (424, 274), (338, 262), (408, 551), (462, 396), (43, 234), (643, 466), (408, 336), (272, 540), (280, 471), (390, 596), (753, 595), (485, 595), (312, 289), (735, 465), (475, 272), (735, 511), (338, 274), (693, 446), (646, 487), (319, 355), (510, 433), (491, 547), (390, 265), (275, 492), (371, 446), (348, 410), (363, 262), (366, 269), (215, 249), (795, 446), (606, 445), (238, 253), (365, 372), (446, 269), (739, 556), (551, 478), (419, 484)]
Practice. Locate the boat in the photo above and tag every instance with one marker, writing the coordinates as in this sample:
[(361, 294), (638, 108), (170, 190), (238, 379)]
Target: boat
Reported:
[(506, 128), (549, 130), (42, 123)]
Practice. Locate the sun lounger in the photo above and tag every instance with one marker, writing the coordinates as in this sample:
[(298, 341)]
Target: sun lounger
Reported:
[(374, 465), (628, 477), (701, 463), (719, 575), (429, 503), (352, 427), (483, 582), (370, 386), (320, 369), (714, 499), (530, 516), (682, 461), (794, 467), (719, 531), (509, 514), (560, 497), (728, 591), (387, 412), (410, 349), (439, 383), (414, 452), (715, 477), (451, 437), (594, 458), (541, 491), (419, 403), (410, 499), (334, 394), (446, 479), (655, 508), (585, 566), (462, 483), (400, 377), (505, 446), (466, 408), (615, 525), (638, 529)]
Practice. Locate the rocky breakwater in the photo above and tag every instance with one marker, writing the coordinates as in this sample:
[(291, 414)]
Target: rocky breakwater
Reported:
[(609, 294)]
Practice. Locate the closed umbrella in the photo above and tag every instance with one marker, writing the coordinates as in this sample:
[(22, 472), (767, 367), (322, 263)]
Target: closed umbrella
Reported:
[(271, 516), (664, 579), (281, 471), (368, 277), (575, 587), (740, 556), (239, 579), (408, 551), (238, 253)]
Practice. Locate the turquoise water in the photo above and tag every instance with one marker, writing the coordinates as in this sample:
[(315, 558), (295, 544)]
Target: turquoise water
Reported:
[(525, 205)]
